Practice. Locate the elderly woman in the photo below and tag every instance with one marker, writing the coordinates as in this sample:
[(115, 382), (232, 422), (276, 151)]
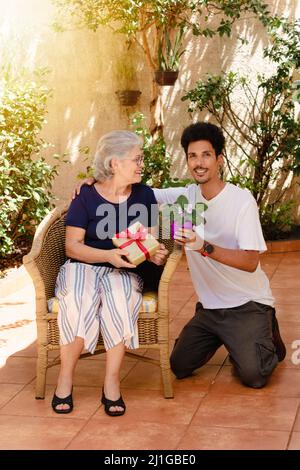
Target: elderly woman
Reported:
[(97, 287)]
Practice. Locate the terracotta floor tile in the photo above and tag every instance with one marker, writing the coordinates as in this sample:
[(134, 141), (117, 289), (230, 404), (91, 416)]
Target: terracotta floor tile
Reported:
[(29, 351), (143, 376), (268, 259), (176, 326), (19, 370), (119, 434), (270, 263), (295, 441), (292, 360), (201, 380), (286, 295), (297, 422), (291, 259), (8, 391), (151, 406), (178, 300), (247, 412), (290, 331), (220, 438), (89, 372), (22, 432), (187, 311), (287, 278), (211, 409), (284, 382), (86, 402), (286, 312), (147, 377)]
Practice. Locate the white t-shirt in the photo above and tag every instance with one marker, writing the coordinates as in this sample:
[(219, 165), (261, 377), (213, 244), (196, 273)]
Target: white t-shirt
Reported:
[(232, 221)]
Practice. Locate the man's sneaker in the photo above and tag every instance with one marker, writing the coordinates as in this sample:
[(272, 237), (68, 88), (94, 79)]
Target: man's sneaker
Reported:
[(277, 340)]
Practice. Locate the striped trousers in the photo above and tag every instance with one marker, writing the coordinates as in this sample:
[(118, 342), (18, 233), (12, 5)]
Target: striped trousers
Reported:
[(93, 298)]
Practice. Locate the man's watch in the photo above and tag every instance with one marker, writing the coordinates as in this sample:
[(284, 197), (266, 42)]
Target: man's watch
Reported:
[(207, 249)]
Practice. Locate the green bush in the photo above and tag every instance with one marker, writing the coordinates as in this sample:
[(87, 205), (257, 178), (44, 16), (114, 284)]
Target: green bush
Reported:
[(156, 171), (276, 220), (25, 177)]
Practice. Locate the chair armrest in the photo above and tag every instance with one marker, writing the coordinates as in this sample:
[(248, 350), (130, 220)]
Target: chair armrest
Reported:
[(163, 288), (41, 232), (38, 262)]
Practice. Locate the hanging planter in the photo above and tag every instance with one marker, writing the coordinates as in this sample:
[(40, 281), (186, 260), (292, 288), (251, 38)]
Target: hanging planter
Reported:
[(166, 77), (128, 97)]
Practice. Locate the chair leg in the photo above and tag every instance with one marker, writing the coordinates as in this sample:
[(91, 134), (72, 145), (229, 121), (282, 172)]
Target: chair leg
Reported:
[(41, 371), (166, 371)]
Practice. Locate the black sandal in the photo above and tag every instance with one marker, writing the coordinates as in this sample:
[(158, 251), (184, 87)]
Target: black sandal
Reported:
[(62, 401), (108, 403)]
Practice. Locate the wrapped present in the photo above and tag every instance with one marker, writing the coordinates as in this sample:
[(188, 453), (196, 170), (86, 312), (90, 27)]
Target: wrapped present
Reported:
[(139, 244), (182, 214)]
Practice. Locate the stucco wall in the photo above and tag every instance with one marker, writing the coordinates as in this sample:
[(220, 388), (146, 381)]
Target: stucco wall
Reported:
[(83, 78)]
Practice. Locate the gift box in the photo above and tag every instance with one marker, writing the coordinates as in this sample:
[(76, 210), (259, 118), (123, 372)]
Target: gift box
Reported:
[(182, 214), (139, 244)]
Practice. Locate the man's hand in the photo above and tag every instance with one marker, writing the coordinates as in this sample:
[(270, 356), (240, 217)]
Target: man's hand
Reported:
[(160, 256), (80, 183), (188, 238), (115, 257)]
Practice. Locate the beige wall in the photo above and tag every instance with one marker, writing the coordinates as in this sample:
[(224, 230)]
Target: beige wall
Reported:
[(84, 105)]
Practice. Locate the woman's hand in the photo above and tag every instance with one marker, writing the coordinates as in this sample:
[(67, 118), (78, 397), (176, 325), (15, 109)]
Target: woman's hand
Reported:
[(115, 257), (80, 183), (160, 256)]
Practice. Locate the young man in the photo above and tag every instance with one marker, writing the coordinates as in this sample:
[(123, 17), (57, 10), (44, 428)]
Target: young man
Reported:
[(236, 306)]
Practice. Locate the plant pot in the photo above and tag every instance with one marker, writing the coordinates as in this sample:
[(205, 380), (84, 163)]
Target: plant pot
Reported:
[(128, 97), (166, 77)]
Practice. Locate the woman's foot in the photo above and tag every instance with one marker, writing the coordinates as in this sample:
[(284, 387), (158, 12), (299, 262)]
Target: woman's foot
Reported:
[(113, 407), (62, 405), (111, 393), (63, 392)]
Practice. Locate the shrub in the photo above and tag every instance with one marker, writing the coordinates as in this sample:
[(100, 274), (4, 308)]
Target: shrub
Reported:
[(157, 162), (25, 177)]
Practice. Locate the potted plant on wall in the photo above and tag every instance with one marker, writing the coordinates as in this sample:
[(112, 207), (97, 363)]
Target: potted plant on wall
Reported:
[(128, 92), (169, 53)]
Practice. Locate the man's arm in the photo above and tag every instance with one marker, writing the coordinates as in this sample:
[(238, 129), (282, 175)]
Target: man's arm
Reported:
[(168, 195), (245, 260)]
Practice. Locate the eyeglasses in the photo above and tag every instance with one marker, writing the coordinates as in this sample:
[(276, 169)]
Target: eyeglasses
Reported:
[(138, 161)]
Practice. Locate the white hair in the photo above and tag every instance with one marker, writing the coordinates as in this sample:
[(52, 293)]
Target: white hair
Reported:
[(115, 144)]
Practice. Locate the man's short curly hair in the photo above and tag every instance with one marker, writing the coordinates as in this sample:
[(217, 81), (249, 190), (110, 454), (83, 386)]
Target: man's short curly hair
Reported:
[(203, 131)]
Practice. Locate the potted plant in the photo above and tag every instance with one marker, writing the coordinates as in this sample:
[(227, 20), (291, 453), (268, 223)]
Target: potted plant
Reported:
[(128, 92), (169, 53)]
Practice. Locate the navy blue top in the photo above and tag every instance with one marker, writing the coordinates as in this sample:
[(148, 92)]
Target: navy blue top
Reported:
[(102, 219)]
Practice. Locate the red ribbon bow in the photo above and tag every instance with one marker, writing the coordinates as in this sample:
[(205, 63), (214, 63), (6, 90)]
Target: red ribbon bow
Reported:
[(135, 237)]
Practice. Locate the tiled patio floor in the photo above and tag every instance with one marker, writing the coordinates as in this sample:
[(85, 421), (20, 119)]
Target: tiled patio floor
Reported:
[(211, 410)]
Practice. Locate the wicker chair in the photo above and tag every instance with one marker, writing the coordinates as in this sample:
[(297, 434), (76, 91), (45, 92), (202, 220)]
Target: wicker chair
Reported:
[(43, 262)]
